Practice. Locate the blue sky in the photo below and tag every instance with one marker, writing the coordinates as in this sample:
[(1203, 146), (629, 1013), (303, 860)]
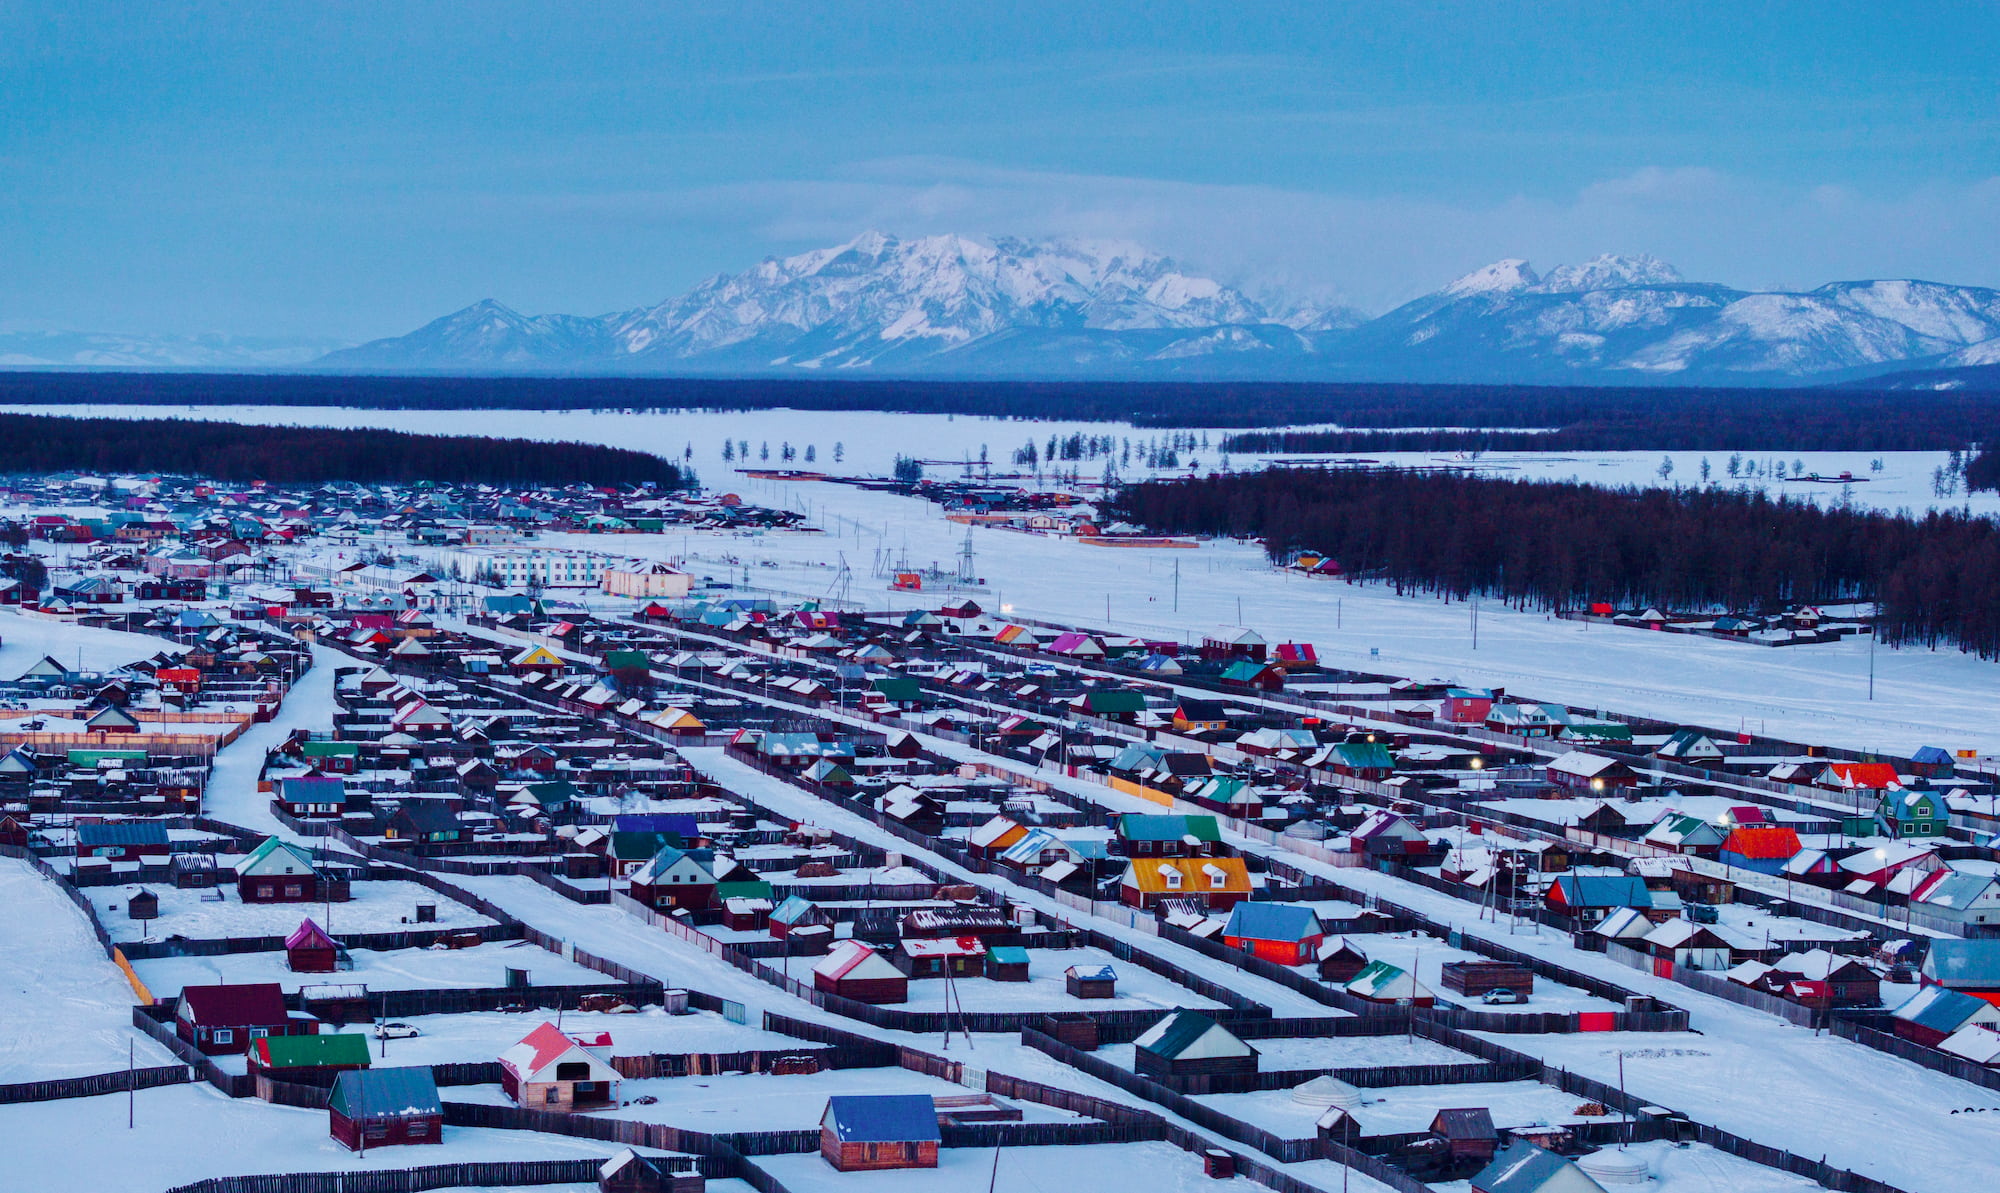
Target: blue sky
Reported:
[(354, 170)]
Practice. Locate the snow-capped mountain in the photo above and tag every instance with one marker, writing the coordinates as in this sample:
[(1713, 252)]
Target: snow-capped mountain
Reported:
[(84, 349), (954, 305)]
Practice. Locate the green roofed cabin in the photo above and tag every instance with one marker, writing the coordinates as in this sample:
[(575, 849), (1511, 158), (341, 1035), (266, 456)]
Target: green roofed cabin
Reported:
[(332, 757), (300, 1058)]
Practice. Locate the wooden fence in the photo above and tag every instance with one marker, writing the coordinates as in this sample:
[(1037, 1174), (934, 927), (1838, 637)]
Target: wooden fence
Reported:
[(116, 1082), (408, 1180)]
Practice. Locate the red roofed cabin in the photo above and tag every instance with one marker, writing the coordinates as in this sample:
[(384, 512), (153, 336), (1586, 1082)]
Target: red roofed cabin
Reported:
[(851, 969), (310, 950), (550, 1071), (1859, 776), (1763, 848), (220, 1020)]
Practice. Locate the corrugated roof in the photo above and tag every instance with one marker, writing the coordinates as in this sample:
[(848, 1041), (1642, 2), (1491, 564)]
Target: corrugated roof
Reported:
[(882, 1118)]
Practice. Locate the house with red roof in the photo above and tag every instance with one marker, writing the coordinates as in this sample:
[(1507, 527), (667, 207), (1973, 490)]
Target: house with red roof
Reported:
[(224, 1019), (1764, 848), (1859, 776), (548, 1070), (854, 970)]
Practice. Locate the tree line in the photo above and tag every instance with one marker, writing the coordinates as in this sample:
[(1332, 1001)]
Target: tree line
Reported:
[(1562, 545), (1489, 417), (308, 455)]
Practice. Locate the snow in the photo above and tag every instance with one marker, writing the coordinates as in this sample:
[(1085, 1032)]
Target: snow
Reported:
[(1138, 988), (1430, 955), (482, 1035), (184, 1133), (67, 1009), (1110, 1168), (377, 906), (232, 794), (1330, 1052), (24, 640), (1396, 1108), (401, 969)]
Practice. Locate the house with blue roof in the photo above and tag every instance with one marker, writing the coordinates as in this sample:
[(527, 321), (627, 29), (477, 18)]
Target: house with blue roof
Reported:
[(1591, 897), (1524, 1168), (1287, 933), (1931, 762), (870, 1133), (1933, 1013)]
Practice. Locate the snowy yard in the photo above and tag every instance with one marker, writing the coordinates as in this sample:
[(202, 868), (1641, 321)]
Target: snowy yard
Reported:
[(1330, 1052), (1399, 1108), (1138, 988), (376, 907), (1430, 954), (67, 1009), (184, 1133), (399, 969), (1111, 1168), (759, 1101), (24, 640), (451, 1039), (1696, 1168)]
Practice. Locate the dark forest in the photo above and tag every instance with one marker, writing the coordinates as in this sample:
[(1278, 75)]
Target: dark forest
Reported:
[(1582, 417), (307, 455), (1557, 546)]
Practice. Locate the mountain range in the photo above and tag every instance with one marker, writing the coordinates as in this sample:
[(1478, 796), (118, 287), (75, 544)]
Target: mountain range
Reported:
[(945, 306)]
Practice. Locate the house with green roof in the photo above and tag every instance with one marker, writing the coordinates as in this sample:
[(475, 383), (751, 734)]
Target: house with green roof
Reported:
[(1190, 1044)]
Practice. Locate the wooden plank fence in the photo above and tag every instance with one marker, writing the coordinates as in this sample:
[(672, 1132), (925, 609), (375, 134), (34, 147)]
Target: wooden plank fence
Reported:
[(116, 1082)]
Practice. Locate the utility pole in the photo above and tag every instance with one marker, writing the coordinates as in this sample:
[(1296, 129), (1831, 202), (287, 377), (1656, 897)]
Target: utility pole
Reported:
[(1475, 623), (1177, 585)]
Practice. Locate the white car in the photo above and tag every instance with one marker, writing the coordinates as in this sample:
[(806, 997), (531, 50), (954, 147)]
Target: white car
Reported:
[(396, 1031)]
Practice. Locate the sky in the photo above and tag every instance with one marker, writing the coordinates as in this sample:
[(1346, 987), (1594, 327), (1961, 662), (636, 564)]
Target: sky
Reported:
[(354, 170)]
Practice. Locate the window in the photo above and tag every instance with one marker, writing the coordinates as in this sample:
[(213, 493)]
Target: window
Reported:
[(222, 1035), (293, 890), (417, 1129), (258, 1033), (552, 1094)]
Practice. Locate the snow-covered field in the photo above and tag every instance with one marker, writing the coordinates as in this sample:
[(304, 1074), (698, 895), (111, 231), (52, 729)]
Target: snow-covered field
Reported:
[(385, 906), (1112, 1168), (183, 1133), (450, 1039), (1331, 1052), (401, 969), (67, 1009), (1696, 1168), (1138, 988), (24, 640)]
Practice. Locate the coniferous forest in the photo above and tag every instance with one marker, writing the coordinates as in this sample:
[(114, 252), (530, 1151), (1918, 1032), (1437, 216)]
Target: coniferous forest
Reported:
[(1539, 545), (230, 451), (1376, 417)]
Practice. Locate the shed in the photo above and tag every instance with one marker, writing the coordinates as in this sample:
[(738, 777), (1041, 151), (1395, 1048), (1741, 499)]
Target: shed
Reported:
[(1340, 960), (310, 950), (1101, 982), (630, 1172), (143, 905), (1525, 1168), (860, 1133), (1468, 1133), (1007, 963)]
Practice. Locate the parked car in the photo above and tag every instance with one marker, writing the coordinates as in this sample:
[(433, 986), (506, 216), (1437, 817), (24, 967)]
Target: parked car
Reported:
[(396, 1031), (1501, 996)]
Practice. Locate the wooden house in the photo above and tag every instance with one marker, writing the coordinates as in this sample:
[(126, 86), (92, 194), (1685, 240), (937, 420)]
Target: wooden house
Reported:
[(1219, 883), (384, 1107), (311, 797), (1578, 771), (1189, 1043), (798, 915), (1933, 1013), (220, 1020), (866, 1133), (1762, 848), (630, 1172), (1101, 982), (277, 872), (1286, 933), (958, 956), (123, 841), (853, 970), (143, 905), (548, 1070), (676, 879), (1390, 985), (310, 1060), (310, 950)]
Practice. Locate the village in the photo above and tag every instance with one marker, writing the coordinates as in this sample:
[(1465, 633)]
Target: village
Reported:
[(518, 837)]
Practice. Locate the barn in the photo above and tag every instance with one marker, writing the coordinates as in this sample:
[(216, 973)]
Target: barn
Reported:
[(381, 1107), (863, 1133), (853, 970)]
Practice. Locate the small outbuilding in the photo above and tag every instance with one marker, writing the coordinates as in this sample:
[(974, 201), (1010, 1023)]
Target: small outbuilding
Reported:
[(1189, 1043), (310, 950), (1101, 982)]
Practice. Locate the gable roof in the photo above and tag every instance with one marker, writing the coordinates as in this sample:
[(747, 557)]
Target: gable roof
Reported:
[(1179, 1031), (309, 935), (239, 1004), (296, 1052), (881, 1118), (386, 1093), (1524, 1168), (1287, 922)]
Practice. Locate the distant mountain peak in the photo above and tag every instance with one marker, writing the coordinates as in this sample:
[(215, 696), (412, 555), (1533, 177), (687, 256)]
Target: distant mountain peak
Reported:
[(1511, 273), (1609, 271)]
